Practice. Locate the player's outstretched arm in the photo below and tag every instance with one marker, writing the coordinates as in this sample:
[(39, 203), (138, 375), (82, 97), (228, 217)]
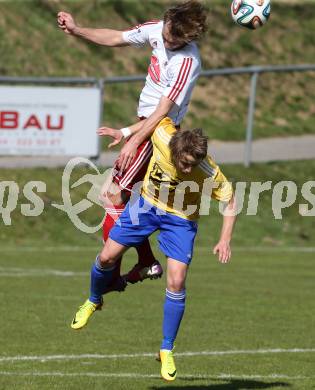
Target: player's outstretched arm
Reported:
[(115, 134), (118, 134), (143, 132), (101, 36), (223, 248)]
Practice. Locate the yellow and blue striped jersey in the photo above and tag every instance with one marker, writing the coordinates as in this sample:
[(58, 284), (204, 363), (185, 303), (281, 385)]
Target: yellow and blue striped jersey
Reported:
[(180, 193)]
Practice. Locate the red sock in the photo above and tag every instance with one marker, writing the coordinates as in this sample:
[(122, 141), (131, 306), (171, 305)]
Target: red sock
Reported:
[(112, 214), (145, 254)]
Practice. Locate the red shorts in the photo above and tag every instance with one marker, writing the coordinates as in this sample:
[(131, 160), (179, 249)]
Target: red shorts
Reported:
[(137, 168)]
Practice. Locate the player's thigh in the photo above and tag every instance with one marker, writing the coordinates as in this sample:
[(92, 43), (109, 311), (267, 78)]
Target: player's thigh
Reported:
[(111, 194), (176, 275), (177, 238), (137, 222), (111, 252)]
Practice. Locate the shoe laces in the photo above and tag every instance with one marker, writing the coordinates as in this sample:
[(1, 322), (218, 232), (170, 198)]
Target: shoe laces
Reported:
[(84, 306), (170, 361)]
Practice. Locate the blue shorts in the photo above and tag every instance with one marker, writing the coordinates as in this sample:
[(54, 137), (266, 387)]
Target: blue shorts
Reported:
[(140, 219)]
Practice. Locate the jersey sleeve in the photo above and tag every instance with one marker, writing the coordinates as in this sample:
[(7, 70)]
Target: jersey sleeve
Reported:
[(183, 76), (223, 190), (138, 36), (163, 133)]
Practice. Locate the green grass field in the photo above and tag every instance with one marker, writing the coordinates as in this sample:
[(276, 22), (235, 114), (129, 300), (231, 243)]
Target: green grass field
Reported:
[(262, 300)]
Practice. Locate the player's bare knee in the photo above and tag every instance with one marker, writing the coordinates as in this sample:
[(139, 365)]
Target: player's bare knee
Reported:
[(114, 196), (106, 260), (176, 284)]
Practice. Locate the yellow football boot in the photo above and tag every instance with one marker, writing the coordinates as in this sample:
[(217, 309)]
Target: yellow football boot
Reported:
[(84, 313), (168, 368)]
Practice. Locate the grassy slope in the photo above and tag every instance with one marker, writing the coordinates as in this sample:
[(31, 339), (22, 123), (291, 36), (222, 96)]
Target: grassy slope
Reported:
[(54, 228), (30, 44)]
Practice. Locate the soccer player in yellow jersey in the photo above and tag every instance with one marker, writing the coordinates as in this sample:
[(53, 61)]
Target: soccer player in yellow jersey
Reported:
[(179, 163)]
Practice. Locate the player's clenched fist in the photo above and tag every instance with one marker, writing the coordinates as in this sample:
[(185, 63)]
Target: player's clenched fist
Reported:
[(66, 22)]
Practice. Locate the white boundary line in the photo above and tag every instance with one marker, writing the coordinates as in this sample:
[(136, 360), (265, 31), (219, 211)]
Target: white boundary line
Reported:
[(45, 358), (23, 272), (51, 248), (267, 249), (284, 249), (146, 376)]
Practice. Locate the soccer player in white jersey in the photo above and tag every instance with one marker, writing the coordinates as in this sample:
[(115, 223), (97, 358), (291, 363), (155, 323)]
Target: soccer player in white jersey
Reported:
[(172, 73)]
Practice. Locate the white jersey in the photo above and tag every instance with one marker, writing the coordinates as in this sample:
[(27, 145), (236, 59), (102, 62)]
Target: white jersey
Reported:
[(171, 73)]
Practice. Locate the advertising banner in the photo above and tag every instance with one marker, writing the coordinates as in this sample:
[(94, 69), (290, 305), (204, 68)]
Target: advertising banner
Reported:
[(49, 121)]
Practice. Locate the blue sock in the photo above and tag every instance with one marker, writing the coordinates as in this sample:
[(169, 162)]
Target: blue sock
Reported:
[(174, 307), (100, 279)]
